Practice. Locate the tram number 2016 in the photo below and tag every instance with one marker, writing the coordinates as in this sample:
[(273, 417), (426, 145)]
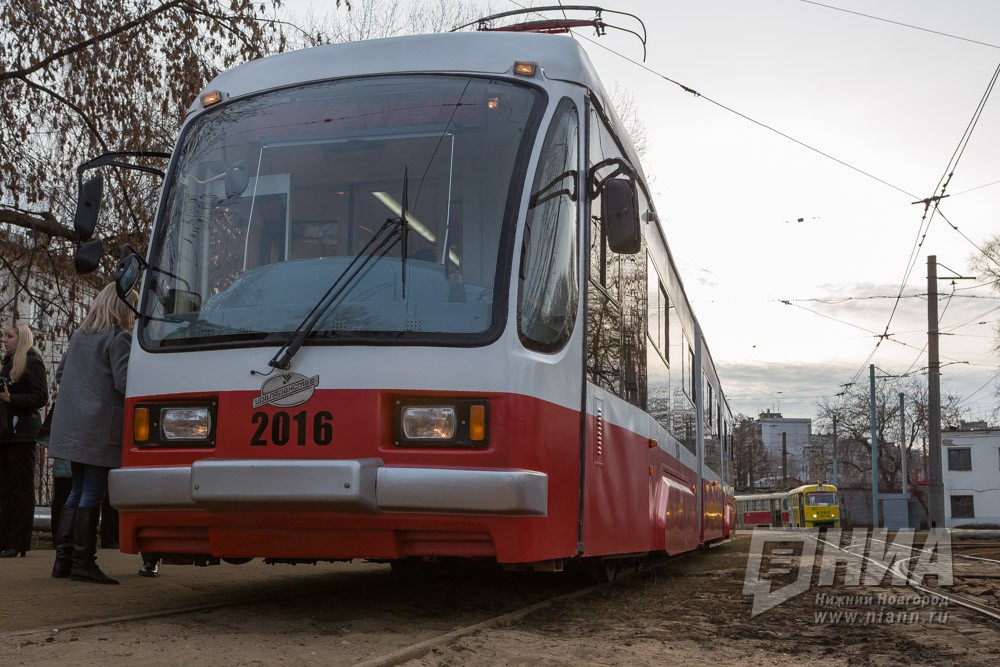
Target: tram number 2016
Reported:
[(285, 428)]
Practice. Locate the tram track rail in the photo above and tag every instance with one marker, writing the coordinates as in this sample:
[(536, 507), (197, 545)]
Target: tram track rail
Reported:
[(395, 657), (387, 586), (339, 587), (398, 591)]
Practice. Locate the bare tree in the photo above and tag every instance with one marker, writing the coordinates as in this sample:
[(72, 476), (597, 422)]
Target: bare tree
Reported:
[(854, 438), (752, 461), (82, 78), (625, 106), (376, 19), (987, 266), (987, 263)]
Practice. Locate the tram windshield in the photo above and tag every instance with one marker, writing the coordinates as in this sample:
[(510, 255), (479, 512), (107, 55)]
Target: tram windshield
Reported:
[(821, 499), (272, 197)]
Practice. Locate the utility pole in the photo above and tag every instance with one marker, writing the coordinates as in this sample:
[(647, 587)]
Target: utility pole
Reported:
[(836, 482), (902, 442), (784, 458), (874, 423), (935, 483)]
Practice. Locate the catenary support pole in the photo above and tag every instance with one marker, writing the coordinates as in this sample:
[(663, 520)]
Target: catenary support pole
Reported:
[(836, 482), (935, 484), (784, 458), (874, 423), (903, 471)]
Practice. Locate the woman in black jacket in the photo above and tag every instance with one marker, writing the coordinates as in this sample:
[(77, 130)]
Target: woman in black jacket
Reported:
[(24, 391)]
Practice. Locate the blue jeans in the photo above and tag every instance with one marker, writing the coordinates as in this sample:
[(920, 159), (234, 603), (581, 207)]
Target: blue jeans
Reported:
[(90, 483)]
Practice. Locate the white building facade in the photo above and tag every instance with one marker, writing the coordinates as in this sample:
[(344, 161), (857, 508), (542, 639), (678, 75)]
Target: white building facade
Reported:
[(971, 474), (787, 441)]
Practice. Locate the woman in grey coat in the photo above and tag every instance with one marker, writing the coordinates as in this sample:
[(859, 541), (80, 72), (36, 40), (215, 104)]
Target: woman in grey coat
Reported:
[(87, 429)]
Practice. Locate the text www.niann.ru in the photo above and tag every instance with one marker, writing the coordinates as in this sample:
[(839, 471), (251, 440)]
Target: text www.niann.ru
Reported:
[(880, 617)]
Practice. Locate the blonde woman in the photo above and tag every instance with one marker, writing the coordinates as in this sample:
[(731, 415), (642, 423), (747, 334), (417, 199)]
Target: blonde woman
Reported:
[(24, 391), (87, 429)]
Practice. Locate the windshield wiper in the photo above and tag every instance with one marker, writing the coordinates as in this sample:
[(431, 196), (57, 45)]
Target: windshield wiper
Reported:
[(392, 231)]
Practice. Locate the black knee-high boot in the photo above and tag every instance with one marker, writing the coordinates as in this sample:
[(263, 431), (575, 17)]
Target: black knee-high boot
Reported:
[(64, 544), (85, 547)]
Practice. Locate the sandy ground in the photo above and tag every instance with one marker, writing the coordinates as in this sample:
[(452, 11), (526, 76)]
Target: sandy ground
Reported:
[(694, 612), (690, 610)]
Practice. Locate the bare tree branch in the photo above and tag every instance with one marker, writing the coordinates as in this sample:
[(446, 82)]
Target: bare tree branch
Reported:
[(87, 43)]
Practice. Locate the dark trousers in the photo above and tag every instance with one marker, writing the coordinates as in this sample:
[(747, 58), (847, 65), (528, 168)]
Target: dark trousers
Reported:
[(60, 491), (17, 494)]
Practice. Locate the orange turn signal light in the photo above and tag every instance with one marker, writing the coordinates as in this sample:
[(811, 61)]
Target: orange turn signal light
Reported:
[(140, 424), (477, 423)]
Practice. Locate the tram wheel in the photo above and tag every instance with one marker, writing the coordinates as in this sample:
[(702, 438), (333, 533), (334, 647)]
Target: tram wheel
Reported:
[(606, 571), (237, 561)]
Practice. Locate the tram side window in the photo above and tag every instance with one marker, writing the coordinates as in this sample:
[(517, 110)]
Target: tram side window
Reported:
[(683, 423), (657, 351), (709, 401), (658, 321), (548, 292), (634, 367), (605, 265), (616, 298)]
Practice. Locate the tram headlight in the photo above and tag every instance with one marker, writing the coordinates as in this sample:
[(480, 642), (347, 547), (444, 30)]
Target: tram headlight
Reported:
[(455, 422), (187, 423), (429, 422)]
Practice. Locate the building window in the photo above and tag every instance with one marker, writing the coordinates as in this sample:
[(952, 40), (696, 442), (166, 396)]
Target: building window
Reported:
[(960, 459), (962, 507)]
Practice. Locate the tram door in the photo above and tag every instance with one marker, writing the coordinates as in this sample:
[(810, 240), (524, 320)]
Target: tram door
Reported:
[(776, 513)]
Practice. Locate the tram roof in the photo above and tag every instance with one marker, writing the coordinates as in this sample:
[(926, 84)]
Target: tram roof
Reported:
[(559, 57), (805, 488)]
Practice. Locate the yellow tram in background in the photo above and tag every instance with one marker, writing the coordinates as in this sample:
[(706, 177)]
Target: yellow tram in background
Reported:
[(814, 506)]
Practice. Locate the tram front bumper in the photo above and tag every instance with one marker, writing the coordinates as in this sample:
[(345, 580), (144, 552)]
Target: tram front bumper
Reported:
[(349, 485)]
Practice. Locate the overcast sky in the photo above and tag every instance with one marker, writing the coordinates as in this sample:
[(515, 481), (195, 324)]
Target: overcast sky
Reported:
[(873, 112), (786, 185)]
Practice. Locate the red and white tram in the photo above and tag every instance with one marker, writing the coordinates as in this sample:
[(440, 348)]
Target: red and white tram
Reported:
[(762, 510), (410, 298)]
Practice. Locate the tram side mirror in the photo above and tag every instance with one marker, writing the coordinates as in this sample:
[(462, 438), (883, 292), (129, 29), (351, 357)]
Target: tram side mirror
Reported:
[(127, 275), (620, 215), (237, 179), (88, 256), (88, 205)]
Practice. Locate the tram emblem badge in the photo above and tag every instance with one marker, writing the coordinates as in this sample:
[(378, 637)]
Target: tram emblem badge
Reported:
[(286, 390)]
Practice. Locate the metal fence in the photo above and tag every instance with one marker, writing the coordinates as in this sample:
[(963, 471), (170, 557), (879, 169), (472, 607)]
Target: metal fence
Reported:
[(43, 477)]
